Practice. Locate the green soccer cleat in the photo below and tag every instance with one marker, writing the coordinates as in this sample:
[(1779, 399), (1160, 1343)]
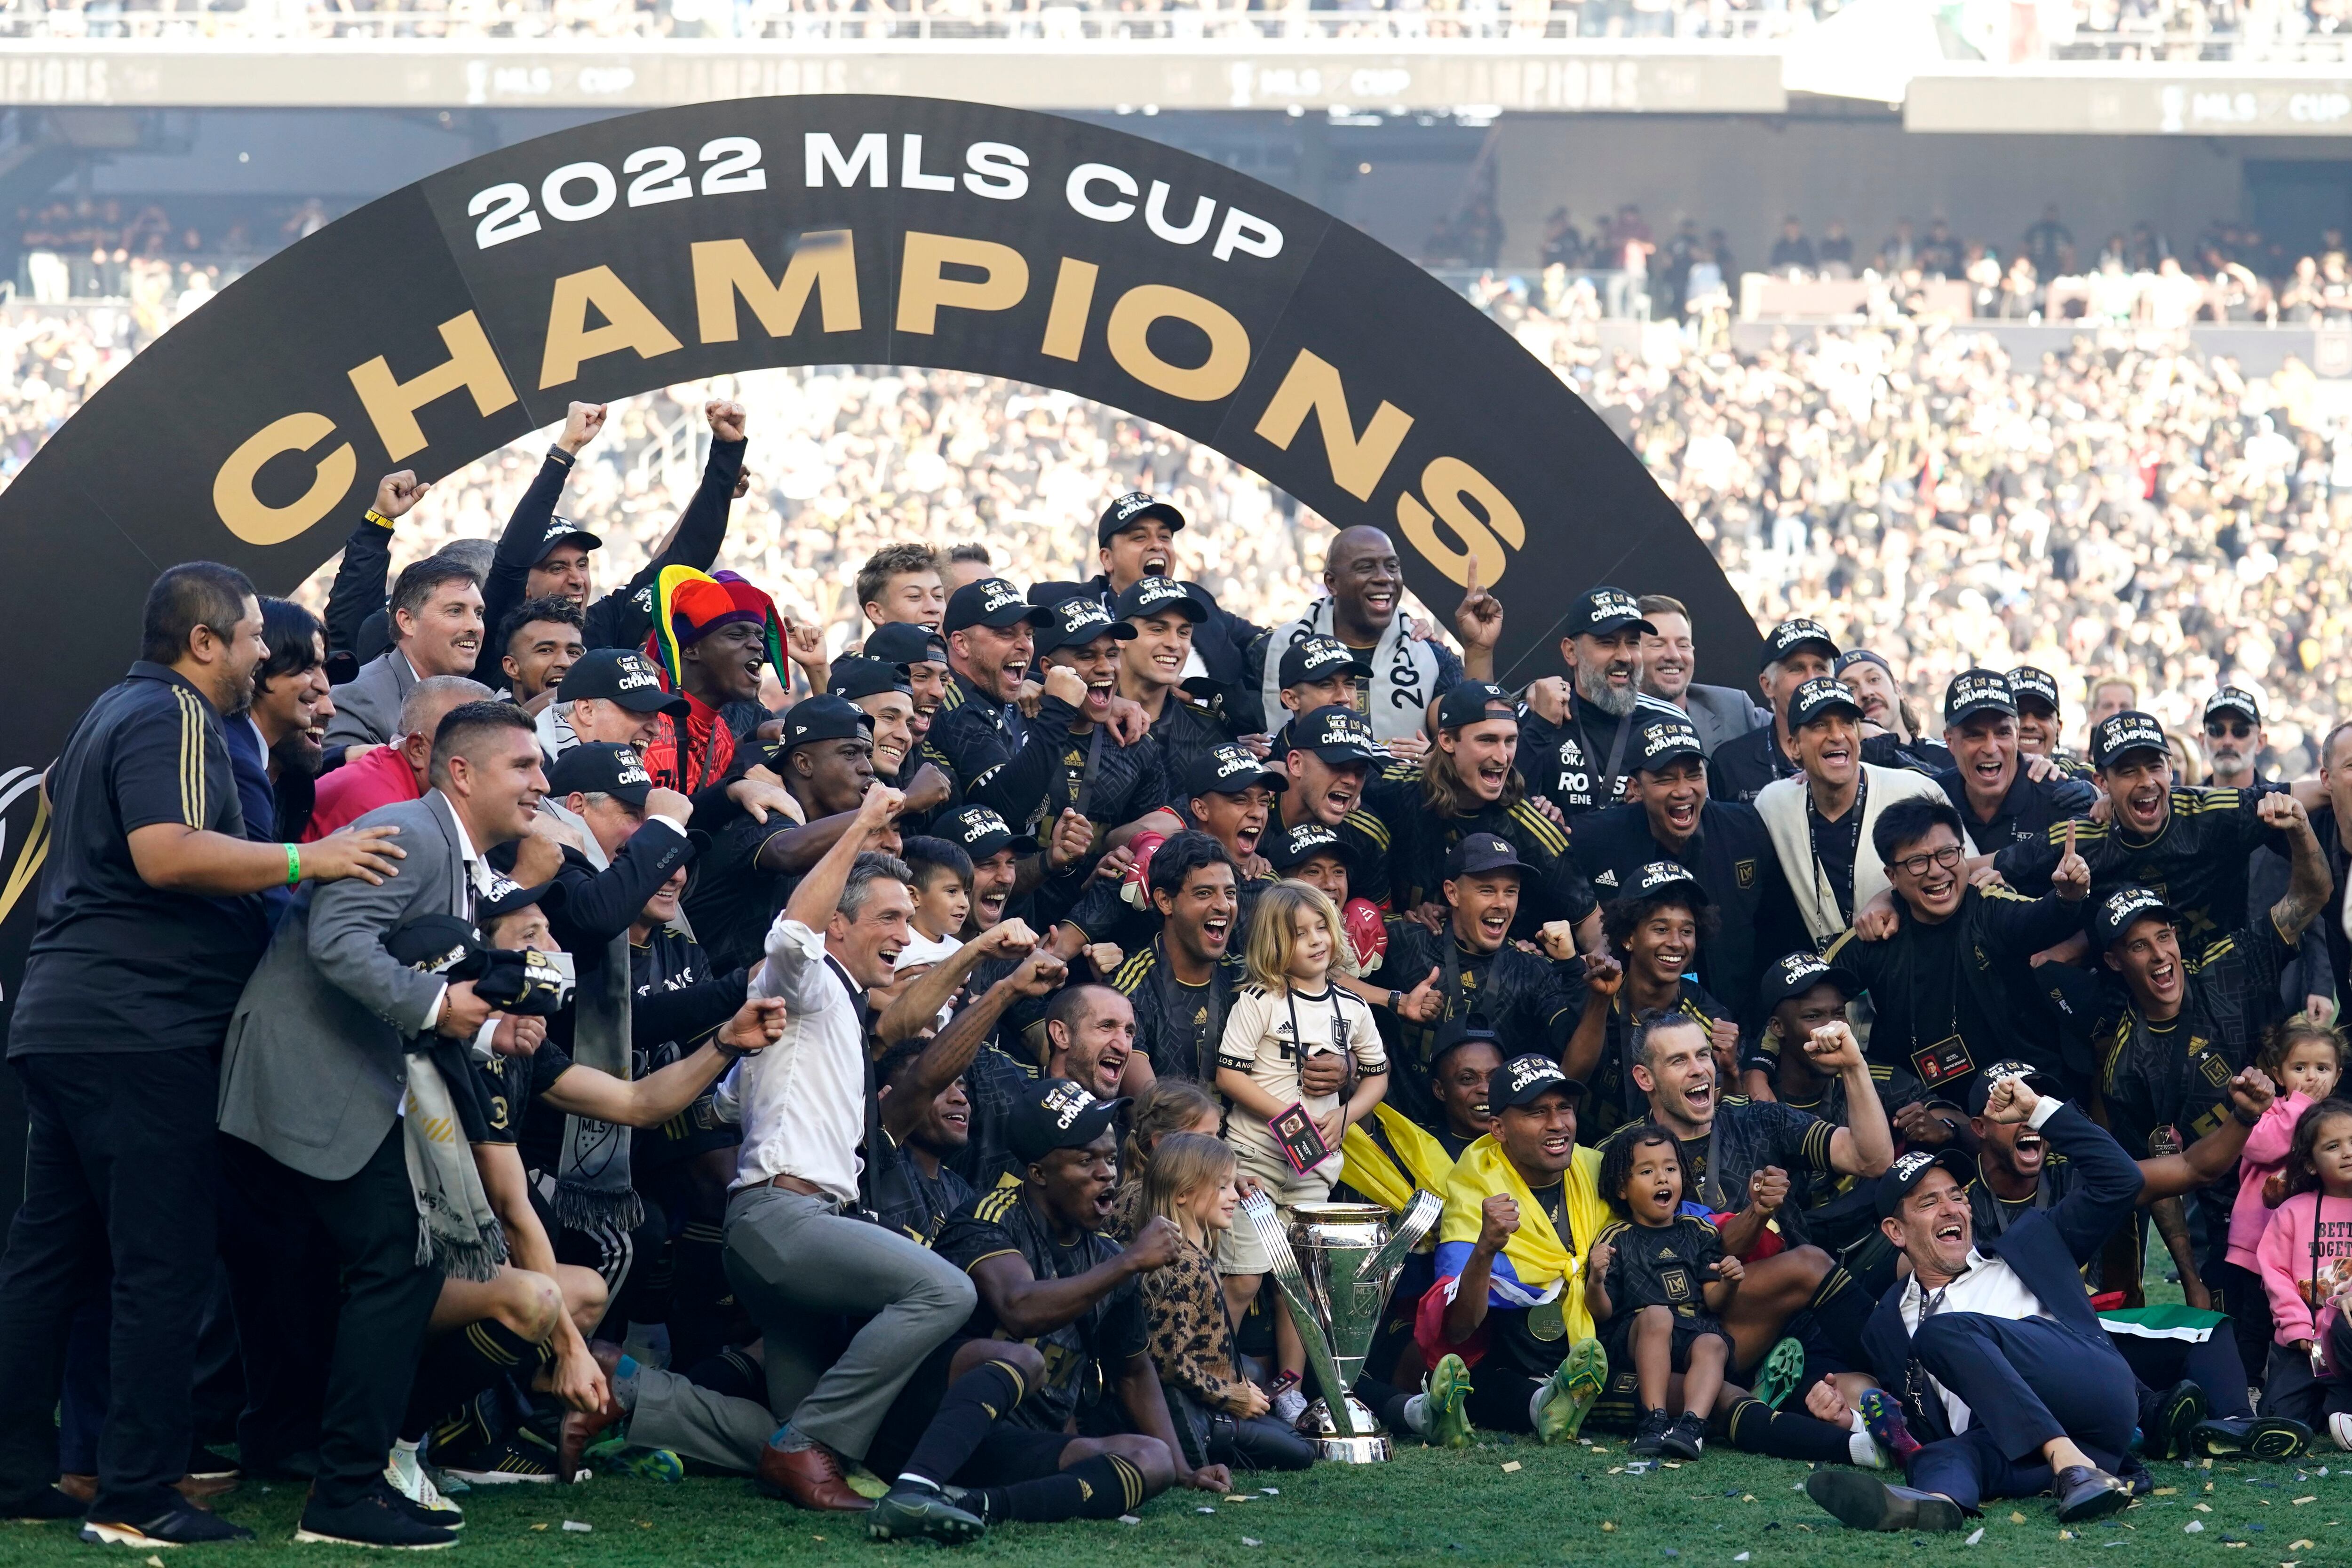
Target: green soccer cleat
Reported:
[(1448, 1390), (645, 1464), (1783, 1368), (1570, 1393)]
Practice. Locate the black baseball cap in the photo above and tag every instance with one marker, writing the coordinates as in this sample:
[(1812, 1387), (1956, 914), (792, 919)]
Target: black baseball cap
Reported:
[(1524, 1080), (1074, 622), (904, 642), (1150, 595), (1664, 740), (990, 601), (1981, 1090), (1229, 770), (2028, 681), (1657, 877), (1796, 972), (1296, 846), (1912, 1169), (620, 675), (560, 529), (1464, 1030), (826, 717), (1058, 1114), (1977, 691), (1319, 658), (1123, 514), (1338, 735), (1471, 701), (507, 895), (2120, 910), (1853, 656), (602, 767), (1600, 612), (980, 832), (1821, 695), (1790, 635), (2130, 730), (856, 677), (2234, 699), (1482, 851)]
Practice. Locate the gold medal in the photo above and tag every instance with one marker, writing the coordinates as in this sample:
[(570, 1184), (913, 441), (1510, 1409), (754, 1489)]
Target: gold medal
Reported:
[(1546, 1320)]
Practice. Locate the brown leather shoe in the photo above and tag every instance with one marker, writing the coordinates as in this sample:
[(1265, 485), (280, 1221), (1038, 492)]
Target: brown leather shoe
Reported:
[(81, 1489), (810, 1478), (578, 1431)]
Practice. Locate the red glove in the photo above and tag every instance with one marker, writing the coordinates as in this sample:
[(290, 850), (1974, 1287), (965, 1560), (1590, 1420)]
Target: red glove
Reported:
[(1367, 933), (1136, 886)]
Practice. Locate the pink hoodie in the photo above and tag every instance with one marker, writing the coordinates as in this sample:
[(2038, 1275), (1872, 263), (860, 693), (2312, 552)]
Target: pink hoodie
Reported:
[(2267, 1147), (2301, 1303)]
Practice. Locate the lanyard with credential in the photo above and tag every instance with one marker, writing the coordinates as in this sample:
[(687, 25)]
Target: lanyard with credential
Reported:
[(1606, 793), (1852, 827)]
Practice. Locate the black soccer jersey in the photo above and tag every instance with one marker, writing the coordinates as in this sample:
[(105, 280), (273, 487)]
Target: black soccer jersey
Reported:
[(2196, 860), (1179, 1026), (1570, 764), (894, 1185), (1550, 889), (1615, 1099), (2176, 1073), (1744, 1137), (1531, 1002), (1663, 1266)]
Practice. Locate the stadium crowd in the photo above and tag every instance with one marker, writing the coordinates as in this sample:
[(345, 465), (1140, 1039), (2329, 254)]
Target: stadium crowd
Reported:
[(589, 1014)]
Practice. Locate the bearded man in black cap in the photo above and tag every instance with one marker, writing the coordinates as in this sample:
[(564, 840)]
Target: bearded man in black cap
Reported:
[(1579, 750)]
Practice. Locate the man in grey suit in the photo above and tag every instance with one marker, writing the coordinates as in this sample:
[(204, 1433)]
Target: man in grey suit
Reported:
[(437, 623), (1668, 659), (312, 1086)]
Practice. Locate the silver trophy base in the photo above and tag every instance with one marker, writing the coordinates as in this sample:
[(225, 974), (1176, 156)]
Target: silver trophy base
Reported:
[(1369, 1446)]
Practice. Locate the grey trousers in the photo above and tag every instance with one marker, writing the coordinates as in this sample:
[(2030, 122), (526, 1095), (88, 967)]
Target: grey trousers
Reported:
[(795, 1260), (697, 1423)]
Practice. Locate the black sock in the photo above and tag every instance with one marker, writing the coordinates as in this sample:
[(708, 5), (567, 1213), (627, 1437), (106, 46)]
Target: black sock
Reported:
[(1841, 1308), (1383, 1401), (733, 1372), (1756, 1427), (1103, 1487), (460, 1365), (701, 1302), (972, 1405)]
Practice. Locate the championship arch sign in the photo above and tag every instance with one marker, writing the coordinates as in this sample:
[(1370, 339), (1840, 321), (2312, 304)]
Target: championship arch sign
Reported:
[(454, 316)]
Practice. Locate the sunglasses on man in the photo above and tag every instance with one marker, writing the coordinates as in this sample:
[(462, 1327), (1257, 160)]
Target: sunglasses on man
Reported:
[(2236, 729)]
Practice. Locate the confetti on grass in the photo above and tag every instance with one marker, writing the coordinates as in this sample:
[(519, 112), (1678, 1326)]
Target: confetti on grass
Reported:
[(576, 1527), (1974, 1536), (1511, 1468)]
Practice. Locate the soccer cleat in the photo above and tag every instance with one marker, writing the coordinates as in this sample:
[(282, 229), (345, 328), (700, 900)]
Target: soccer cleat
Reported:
[(2168, 1421), (1569, 1393), (645, 1464), (1782, 1373), (1448, 1391), (1650, 1435), (182, 1524), (1883, 1419), (2250, 1436), (1686, 1438), (513, 1462), (408, 1477), (910, 1512)]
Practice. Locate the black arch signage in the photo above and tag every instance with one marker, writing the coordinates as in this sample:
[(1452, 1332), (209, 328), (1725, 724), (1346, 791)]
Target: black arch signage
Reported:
[(458, 314)]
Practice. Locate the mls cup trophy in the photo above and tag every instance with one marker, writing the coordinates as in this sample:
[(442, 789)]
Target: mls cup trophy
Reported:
[(1353, 1259)]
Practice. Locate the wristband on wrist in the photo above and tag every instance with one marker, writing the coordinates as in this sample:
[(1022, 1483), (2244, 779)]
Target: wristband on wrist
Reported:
[(568, 457), (293, 864), (1396, 1002), (2239, 1112), (378, 518)]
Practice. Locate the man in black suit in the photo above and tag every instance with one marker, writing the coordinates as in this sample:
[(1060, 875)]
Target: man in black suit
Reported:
[(1991, 1348)]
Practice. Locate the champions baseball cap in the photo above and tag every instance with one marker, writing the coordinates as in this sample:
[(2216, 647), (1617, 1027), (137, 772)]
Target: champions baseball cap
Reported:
[(2118, 733), (1075, 622), (826, 717), (1665, 741), (1058, 1114), (904, 642), (620, 675), (1790, 635), (1319, 658), (2028, 683), (980, 832), (1912, 1169), (1604, 612), (506, 896), (1796, 972), (990, 602), (602, 767), (1338, 735), (1524, 1080), (1296, 846), (1821, 695), (1229, 770), (2120, 910), (1471, 701), (561, 528), (1128, 509), (1977, 691), (856, 677), (1469, 1029), (1482, 851), (1151, 595), (2237, 700), (1998, 1073), (1657, 877)]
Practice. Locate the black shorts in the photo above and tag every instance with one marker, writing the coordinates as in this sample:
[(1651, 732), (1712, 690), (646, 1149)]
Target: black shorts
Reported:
[(1616, 1338), (1009, 1453)]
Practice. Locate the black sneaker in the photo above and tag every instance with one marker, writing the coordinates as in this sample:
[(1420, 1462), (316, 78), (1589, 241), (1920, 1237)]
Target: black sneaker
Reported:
[(1686, 1438), (1650, 1436), (182, 1524), (909, 1512), (2170, 1419), (43, 1506), (380, 1518)]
